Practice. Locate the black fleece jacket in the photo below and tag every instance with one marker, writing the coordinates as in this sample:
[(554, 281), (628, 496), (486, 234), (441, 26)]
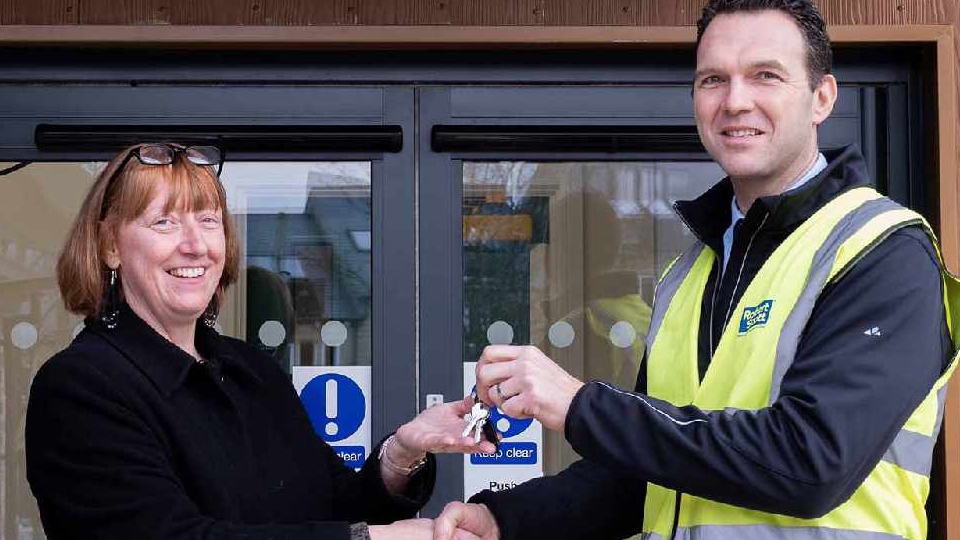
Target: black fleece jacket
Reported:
[(841, 403), (128, 437)]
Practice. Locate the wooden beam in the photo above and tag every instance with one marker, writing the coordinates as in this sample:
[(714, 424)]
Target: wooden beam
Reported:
[(408, 37)]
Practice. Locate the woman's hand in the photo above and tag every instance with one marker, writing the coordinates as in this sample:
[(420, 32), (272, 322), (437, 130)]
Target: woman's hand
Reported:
[(413, 529), (438, 430), (408, 529)]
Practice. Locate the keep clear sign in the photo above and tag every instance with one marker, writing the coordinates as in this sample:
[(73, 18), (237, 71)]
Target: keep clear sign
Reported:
[(337, 400), (518, 458)]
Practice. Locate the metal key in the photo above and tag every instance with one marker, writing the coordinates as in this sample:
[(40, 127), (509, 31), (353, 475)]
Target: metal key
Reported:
[(478, 415), (479, 423)]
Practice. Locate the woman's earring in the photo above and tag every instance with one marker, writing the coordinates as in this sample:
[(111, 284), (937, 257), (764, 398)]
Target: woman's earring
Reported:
[(110, 311), (210, 315)]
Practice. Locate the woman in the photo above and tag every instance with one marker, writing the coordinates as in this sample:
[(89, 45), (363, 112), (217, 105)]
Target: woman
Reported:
[(152, 425)]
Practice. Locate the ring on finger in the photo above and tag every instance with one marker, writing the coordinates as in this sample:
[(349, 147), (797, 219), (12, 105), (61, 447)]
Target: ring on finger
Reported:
[(500, 392)]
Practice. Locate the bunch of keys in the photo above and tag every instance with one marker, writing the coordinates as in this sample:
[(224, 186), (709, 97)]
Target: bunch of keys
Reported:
[(479, 423)]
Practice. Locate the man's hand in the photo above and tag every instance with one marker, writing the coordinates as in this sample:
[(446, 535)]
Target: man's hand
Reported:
[(524, 383), (465, 521), (438, 429)]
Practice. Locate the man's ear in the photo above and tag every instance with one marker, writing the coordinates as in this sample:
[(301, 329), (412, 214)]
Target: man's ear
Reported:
[(824, 97)]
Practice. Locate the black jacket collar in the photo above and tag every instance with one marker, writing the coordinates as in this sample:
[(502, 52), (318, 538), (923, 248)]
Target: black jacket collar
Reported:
[(708, 216), (164, 363)]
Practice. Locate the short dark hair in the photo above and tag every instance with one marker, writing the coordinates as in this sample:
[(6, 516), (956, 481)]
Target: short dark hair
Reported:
[(803, 12)]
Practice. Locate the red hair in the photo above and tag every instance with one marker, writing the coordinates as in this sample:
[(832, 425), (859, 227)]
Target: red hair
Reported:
[(81, 270)]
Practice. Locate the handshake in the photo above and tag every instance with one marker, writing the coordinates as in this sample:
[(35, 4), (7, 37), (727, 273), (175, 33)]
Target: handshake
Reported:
[(520, 381), (458, 521)]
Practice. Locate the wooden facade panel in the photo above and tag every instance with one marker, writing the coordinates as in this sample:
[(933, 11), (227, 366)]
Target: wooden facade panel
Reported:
[(429, 12), (225, 13), (951, 423), (246, 12), (592, 12), (310, 13), (876, 12), (124, 12), (498, 12), (952, 17), (37, 12), (673, 13), (408, 13)]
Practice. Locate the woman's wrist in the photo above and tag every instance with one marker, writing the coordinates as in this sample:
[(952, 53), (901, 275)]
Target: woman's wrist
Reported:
[(400, 459)]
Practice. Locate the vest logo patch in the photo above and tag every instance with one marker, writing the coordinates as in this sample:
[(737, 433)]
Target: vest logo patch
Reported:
[(755, 316)]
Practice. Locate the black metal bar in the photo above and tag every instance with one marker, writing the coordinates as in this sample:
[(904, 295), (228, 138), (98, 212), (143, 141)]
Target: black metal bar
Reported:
[(577, 138), (239, 138)]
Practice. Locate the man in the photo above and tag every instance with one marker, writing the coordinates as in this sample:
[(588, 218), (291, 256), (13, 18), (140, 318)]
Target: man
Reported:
[(798, 353)]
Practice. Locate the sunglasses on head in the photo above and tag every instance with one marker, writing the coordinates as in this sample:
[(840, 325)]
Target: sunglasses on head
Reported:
[(164, 154)]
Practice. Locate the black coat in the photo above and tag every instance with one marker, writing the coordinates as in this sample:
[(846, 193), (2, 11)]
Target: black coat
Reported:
[(842, 402), (128, 437)]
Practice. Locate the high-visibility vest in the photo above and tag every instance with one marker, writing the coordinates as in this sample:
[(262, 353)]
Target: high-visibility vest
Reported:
[(756, 349)]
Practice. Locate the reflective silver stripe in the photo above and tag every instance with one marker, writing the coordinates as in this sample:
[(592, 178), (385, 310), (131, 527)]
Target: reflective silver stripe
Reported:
[(650, 536), (668, 287), (640, 398), (914, 451), (772, 532), (823, 261), (911, 451), (941, 405)]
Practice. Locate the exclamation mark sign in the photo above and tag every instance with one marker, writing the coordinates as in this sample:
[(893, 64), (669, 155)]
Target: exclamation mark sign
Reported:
[(331, 407)]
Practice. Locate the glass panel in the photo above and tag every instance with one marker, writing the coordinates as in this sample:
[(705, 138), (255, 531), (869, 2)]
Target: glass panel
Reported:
[(37, 205), (304, 233), (565, 256)]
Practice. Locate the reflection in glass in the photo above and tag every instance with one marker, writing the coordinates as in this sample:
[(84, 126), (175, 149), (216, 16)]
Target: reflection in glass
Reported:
[(567, 254), (37, 204), (306, 239)]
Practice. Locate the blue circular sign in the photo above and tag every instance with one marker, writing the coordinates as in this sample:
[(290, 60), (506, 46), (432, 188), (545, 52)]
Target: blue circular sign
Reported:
[(514, 426), (335, 405), (508, 426)]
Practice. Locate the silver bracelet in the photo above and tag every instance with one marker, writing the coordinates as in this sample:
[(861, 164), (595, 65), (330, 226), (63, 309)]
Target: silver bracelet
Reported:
[(409, 470)]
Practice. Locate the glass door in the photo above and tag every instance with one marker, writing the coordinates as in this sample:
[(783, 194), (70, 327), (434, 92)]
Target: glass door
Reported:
[(325, 235), (565, 256)]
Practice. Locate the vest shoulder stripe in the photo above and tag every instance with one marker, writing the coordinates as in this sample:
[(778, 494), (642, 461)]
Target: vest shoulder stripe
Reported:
[(820, 273), (668, 286)]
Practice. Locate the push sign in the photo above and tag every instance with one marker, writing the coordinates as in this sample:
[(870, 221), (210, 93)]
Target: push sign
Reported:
[(337, 400), (517, 460)]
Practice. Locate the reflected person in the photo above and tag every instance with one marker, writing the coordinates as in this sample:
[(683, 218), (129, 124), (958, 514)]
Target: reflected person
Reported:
[(611, 295), (150, 424)]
